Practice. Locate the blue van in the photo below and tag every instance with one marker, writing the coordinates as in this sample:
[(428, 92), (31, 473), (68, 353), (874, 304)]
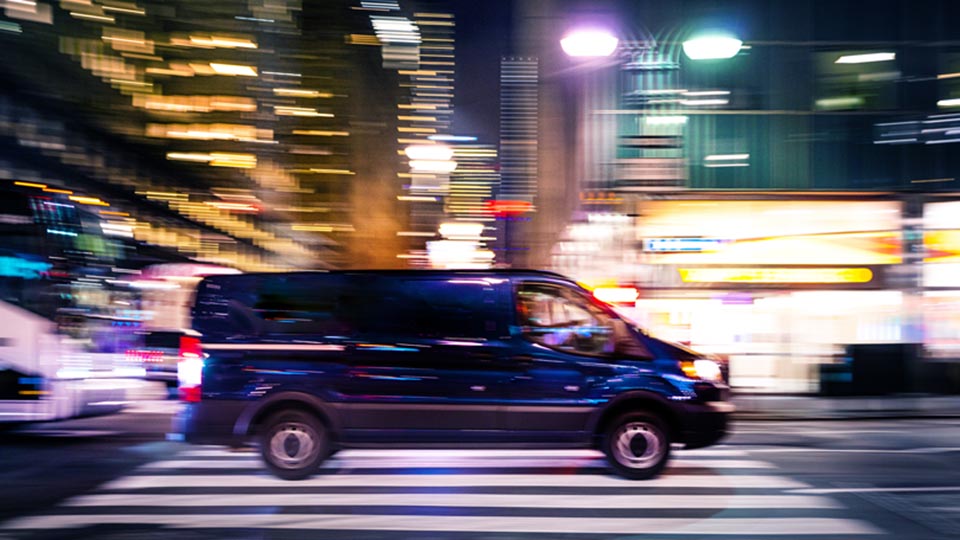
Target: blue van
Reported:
[(308, 363)]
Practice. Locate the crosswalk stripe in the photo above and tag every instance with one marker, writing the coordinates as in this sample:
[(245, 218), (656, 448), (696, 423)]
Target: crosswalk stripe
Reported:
[(792, 527), (253, 462), (452, 480), (468, 500)]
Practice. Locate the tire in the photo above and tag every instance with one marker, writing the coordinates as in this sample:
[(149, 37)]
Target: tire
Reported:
[(637, 445), (293, 444)]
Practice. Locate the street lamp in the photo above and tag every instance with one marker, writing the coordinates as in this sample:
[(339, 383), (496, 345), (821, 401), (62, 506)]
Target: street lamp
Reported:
[(650, 67), (589, 43), (712, 47)]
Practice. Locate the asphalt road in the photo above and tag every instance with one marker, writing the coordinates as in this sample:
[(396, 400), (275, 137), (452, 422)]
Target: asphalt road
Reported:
[(118, 478)]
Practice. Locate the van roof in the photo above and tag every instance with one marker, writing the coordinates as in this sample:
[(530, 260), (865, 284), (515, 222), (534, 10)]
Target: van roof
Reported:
[(496, 271)]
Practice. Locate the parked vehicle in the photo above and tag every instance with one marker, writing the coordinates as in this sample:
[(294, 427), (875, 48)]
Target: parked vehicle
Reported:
[(167, 292), (309, 363)]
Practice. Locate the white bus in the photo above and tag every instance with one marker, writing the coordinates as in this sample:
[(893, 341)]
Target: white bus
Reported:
[(63, 331)]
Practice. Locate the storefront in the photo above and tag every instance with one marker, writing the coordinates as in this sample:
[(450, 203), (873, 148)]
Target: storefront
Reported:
[(779, 287), (941, 279)]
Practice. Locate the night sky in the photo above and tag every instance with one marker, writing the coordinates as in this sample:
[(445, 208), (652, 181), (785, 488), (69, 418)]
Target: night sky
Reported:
[(483, 36)]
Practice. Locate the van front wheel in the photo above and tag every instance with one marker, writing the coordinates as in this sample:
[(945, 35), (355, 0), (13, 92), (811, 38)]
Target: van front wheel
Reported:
[(293, 444), (637, 445)]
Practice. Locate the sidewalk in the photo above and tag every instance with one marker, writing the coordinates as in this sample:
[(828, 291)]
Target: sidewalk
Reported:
[(775, 407)]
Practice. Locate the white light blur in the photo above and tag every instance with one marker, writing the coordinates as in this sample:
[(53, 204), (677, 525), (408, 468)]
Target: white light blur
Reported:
[(953, 102), (461, 229), (838, 102), (434, 152), (702, 93), (608, 218), (458, 254), (589, 43), (433, 166), (395, 30), (866, 58), (666, 120), (154, 285), (452, 138), (616, 295), (702, 102), (707, 370), (117, 229), (712, 47), (190, 371), (726, 157), (233, 69)]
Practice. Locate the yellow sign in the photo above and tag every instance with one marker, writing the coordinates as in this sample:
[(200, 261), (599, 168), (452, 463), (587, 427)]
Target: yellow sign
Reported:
[(942, 245), (776, 275)]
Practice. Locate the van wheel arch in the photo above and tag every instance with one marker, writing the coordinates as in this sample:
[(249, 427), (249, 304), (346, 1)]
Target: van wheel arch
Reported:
[(256, 425), (638, 404)]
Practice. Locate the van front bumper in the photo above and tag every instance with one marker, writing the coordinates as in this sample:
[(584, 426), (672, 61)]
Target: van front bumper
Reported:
[(703, 424)]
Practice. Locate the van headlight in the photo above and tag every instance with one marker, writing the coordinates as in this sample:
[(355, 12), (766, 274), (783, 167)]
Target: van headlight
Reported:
[(702, 369)]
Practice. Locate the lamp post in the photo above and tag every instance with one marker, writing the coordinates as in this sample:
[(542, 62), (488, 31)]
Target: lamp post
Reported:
[(653, 67)]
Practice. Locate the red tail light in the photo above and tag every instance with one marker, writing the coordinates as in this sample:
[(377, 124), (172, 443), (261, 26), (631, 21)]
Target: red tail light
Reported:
[(190, 369)]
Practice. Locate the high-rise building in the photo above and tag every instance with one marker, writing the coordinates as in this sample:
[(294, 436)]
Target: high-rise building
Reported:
[(519, 99), (425, 111)]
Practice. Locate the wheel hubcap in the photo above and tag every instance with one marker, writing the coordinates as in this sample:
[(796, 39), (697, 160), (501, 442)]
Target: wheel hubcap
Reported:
[(293, 445), (638, 445)]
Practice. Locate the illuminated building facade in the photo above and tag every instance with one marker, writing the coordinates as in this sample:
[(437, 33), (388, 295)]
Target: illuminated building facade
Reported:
[(519, 127), (473, 182), (790, 204), (242, 133), (519, 152), (425, 111)]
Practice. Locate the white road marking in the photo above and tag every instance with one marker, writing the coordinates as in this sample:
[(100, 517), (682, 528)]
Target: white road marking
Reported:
[(455, 480), (919, 489), (791, 527), (795, 450), (801, 431), (253, 462), (464, 500)]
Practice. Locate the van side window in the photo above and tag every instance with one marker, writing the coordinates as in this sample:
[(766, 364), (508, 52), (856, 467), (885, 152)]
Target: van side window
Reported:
[(436, 308), (561, 319), (304, 305)]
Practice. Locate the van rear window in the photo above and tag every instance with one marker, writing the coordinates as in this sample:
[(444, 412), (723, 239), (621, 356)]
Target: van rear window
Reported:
[(326, 305)]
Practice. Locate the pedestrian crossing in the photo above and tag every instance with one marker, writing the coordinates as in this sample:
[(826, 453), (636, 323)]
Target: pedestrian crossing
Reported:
[(213, 492)]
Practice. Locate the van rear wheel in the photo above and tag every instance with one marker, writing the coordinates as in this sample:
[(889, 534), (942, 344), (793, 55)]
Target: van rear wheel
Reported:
[(637, 445), (293, 444)]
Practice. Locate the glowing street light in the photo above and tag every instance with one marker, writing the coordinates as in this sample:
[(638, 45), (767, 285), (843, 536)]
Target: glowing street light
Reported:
[(712, 47), (589, 43), (866, 58)]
